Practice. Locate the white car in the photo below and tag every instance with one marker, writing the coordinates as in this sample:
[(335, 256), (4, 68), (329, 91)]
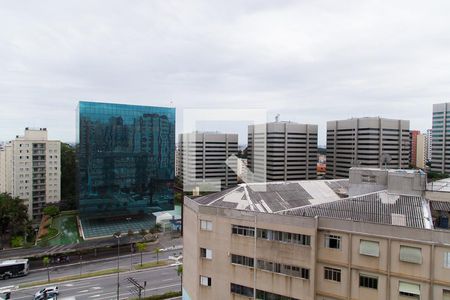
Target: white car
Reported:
[(50, 296), (51, 290)]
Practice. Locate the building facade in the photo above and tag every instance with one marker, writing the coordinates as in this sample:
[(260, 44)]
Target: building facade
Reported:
[(126, 159), (440, 155), (413, 147), (366, 142), (30, 169), (417, 149), (381, 245), (280, 151), (204, 160), (429, 143)]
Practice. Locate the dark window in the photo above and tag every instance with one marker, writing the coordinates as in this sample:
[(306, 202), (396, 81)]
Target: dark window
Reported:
[(332, 274), (368, 281)]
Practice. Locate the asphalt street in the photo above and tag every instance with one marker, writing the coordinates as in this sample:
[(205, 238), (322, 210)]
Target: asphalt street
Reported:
[(159, 280), (86, 267)]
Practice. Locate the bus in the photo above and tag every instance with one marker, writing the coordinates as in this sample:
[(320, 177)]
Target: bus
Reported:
[(14, 268)]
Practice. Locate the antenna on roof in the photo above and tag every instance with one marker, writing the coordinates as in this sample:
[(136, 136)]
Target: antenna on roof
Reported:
[(277, 117), (385, 158)]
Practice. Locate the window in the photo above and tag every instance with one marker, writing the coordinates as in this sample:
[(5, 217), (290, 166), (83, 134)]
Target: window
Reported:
[(206, 225), (407, 289), (446, 294), (368, 281), (411, 254), (447, 259), (243, 230), (285, 237), (205, 253), (205, 281), (332, 274), (332, 241), (241, 290), (369, 248), (242, 260)]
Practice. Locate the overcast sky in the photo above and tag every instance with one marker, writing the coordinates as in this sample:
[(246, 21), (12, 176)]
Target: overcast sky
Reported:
[(310, 61)]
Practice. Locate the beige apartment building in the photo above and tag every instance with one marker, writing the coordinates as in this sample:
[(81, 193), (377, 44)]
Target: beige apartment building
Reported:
[(373, 236), (30, 168)]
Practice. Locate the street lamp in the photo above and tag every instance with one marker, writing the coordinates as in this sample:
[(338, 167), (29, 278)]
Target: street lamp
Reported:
[(131, 245), (117, 236)]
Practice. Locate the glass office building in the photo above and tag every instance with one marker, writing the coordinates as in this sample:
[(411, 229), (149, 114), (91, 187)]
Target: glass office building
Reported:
[(125, 159)]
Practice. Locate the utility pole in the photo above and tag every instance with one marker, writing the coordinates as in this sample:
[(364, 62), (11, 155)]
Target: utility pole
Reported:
[(117, 236)]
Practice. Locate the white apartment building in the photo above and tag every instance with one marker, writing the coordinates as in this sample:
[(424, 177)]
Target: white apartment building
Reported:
[(204, 158), (376, 236), (280, 151), (30, 169), (440, 155), (366, 142)]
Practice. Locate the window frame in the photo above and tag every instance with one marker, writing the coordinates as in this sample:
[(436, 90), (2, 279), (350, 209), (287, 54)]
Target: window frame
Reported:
[(365, 279), (204, 253), (206, 225), (205, 281), (335, 274), (328, 237)]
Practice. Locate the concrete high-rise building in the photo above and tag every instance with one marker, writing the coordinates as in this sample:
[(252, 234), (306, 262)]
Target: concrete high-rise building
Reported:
[(418, 149), (280, 151), (366, 142), (204, 156), (421, 151), (429, 143), (413, 146), (30, 169), (308, 240), (440, 155)]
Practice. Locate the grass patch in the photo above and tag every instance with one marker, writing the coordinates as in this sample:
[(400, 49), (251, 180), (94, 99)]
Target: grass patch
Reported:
[(152, 264), (163, 296), (72, 277)]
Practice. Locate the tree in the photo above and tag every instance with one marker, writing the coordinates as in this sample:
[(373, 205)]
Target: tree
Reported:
[(51, 210), (143, 232), (180, 274), (141, 247), (68, 175), (157, 251), (46, 262), (13, 216)]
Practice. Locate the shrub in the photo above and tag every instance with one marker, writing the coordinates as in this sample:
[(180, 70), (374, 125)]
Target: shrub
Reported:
[(17, 241)]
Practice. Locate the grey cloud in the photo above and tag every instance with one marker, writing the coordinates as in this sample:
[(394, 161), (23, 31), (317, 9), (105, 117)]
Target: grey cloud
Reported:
[(310, 61)]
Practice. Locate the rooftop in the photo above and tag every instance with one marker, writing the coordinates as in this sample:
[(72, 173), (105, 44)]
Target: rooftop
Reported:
[(274, 197), (379, 207), (392, 197)]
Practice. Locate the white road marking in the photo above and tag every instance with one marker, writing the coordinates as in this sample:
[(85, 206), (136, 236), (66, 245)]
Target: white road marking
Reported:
[(83, 291), (96, 288), (68, 285), (95, 296)]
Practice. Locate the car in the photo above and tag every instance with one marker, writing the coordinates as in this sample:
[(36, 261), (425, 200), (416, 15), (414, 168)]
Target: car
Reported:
[(47, 296), (48, 290)]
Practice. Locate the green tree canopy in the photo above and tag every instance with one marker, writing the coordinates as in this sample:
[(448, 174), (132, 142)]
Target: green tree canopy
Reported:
[(13, 215), (68, 175), (51, 210)]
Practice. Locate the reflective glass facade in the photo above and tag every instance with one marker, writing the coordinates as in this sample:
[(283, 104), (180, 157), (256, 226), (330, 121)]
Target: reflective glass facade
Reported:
[(125, 158)]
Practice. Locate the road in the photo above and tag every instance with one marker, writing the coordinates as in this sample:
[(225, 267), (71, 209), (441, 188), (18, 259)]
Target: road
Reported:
[(86, 267), (159, 280)]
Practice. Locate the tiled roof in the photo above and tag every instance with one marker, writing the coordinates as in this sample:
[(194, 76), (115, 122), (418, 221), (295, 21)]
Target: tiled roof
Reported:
[(379, 207), (276, 196)]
